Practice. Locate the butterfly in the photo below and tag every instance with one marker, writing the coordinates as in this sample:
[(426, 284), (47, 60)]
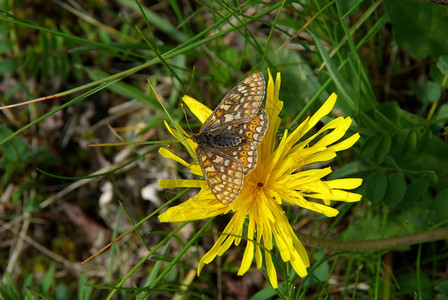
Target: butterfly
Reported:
[(228, 139)]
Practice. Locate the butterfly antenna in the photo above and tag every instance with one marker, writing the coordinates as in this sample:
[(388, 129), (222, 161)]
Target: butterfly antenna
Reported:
[(186, 117)]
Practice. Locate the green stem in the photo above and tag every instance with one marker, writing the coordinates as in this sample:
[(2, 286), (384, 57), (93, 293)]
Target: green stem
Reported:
[(380, 244)]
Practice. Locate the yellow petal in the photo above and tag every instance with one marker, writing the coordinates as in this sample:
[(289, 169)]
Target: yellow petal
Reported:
[(282, 245), (309, 123), (270, 269), (298, 264), (336, 134), (196, 169), (338, 195), (345, 183), (175, 183), (296, 180), (168, 154), (345, 144), (182, 137), (195, 208), (273, 108), (317, 207), (320, 157), (339, 124), (249, 252), (279, 153), (258, 256), (201, 111), (177, 132), (300, 249), (238, 220), (324, 110), (211, 254), (221, 245)]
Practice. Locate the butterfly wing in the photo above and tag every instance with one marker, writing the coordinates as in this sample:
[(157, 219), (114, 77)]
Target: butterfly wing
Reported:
[(254, 131), (224, 174), (240, 115), (240, 105)]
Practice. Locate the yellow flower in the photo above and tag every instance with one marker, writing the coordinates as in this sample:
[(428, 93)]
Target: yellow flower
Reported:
[(278, 177)]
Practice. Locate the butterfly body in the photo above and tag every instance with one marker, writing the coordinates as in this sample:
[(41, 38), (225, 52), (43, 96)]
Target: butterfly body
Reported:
[(224, 139)]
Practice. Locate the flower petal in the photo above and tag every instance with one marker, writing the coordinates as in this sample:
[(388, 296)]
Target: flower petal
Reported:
[(345, 183), (249, 252), (168, 154), (273, 108), (195, 208), (309, 123), (223, 243), (201, 111), (324, 110), (176, 183), (183, 137), (270, 269), (345, 144), (194, 168)]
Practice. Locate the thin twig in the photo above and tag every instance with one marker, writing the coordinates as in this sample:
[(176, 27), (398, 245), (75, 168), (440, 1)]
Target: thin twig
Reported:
[(379, 244)]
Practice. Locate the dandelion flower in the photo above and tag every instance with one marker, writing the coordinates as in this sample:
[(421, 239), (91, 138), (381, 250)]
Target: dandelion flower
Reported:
[(282, 175)]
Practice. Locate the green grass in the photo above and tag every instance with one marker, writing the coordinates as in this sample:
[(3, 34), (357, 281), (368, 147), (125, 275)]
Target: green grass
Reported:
[(386, 60)]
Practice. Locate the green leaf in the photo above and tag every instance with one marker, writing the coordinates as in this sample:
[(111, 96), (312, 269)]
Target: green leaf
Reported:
[(432, 176), (347, 170), (396, 189), (440, 213), (410, 142), (387, 114), (14, 150), (369, 122), (62, 292), (8, 290), (419, 26), (437, 75), (3, 46), (7, 66), (85, 288), (432, 91), (383, 147), (266, 293), (415, 190), (48, 279), (442, 286), (442, 113), (410, 284), (429, 93), (398, 150), (376, 187), (370, 144), (442, 65)]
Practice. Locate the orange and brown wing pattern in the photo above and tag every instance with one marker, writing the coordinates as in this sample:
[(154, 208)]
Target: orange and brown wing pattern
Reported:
[(224, 174), (254, 131), (239, 105)]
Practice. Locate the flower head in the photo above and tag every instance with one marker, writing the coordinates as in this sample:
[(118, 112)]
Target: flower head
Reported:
[(279, 176)]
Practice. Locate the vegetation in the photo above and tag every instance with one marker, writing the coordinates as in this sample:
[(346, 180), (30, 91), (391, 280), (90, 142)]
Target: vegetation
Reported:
[(80, 165)]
